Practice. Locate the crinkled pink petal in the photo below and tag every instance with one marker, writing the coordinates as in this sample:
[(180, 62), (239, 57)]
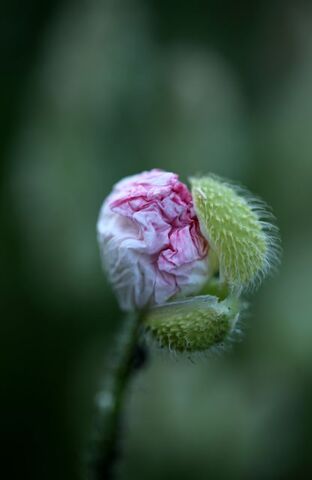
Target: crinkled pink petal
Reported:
[(150, 240)]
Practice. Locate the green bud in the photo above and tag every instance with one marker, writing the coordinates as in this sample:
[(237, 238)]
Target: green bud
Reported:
[(194, 324), (235, 226)]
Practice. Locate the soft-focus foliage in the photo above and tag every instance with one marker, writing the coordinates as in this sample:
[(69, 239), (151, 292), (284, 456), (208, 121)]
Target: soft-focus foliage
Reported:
[(94, 91)]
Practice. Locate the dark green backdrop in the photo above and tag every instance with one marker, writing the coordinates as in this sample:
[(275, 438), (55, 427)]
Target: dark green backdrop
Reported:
[(95, 90)]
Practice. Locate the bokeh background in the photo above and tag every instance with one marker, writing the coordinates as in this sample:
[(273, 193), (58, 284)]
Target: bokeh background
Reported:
[(95, 90)]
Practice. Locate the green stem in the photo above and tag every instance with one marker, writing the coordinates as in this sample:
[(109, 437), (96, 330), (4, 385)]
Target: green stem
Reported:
[(110, 402)]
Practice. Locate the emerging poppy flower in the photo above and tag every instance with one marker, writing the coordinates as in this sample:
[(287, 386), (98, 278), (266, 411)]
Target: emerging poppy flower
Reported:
[(150, 241)]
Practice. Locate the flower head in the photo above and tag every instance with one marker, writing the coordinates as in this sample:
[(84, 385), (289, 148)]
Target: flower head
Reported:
[(150, 240)]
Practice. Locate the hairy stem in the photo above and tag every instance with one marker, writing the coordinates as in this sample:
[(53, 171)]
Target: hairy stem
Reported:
[(110, 401)]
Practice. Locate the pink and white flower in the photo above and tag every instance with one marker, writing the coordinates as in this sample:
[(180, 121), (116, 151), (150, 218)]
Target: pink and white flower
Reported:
[(150, 241)]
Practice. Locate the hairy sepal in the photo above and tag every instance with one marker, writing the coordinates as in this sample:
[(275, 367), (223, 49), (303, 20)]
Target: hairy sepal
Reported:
[(239, 229), (193, 325)]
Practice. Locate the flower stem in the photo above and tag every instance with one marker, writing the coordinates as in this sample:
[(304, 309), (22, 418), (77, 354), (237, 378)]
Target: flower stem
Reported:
[(110, 401)]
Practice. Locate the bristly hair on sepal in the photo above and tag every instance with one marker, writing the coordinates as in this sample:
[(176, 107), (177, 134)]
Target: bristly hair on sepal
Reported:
[(201, 324), (240, 230)]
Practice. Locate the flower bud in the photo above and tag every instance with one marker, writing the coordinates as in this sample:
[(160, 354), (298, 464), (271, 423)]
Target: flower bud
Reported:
[(194, 324), (234, 224), (150, 241)]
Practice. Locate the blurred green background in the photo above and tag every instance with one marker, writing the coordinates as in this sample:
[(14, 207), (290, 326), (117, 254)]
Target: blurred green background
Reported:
[(95, 90)]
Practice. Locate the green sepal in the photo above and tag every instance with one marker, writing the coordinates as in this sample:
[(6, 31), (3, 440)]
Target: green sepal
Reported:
[(235, 226), (191, 325)]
